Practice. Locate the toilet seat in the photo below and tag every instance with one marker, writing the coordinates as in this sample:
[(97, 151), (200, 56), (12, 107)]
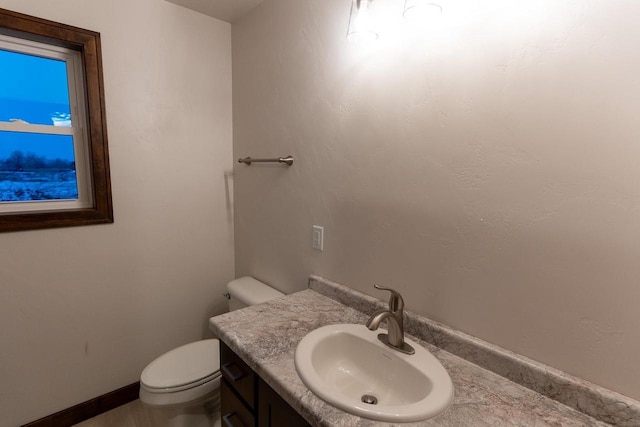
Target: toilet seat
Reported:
[(183, 368), (181, 387)]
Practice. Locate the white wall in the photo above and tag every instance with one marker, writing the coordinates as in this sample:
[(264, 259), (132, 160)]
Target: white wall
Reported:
[(83, 310), (488, 169)]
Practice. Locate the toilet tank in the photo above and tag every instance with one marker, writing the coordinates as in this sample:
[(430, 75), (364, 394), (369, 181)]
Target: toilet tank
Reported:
[(247, 291)]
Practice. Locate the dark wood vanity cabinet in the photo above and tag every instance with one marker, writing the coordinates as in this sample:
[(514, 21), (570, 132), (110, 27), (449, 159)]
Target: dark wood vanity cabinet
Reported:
[(273, 411), (247, 401)]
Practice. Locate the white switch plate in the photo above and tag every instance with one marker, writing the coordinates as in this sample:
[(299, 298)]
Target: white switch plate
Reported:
[(317, 238)]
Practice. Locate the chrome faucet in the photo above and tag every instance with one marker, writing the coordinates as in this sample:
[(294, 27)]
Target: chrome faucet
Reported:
[(394, 316)]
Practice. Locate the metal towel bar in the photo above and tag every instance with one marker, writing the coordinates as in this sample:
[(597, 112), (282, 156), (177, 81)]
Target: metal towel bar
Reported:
[(286, 160)]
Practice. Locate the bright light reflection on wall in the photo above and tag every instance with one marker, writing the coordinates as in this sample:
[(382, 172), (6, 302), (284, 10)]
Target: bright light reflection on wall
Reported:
[(458, 21)]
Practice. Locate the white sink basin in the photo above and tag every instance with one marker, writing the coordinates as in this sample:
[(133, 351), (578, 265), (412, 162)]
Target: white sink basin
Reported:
[(346, 365)]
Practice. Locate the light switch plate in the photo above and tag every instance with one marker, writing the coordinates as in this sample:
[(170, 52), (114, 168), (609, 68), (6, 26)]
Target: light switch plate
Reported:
[(317, 238)]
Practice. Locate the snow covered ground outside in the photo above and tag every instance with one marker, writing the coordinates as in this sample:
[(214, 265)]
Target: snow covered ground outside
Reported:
[(42, 185)]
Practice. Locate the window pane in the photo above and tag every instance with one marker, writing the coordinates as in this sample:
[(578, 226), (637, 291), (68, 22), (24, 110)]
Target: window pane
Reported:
[(33, 89), (36, 167)]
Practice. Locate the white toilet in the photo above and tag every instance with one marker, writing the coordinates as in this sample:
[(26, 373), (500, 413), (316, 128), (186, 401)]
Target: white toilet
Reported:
[(182, 386)]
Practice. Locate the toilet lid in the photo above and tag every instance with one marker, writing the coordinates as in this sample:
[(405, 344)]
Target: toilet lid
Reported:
[(184, 365)]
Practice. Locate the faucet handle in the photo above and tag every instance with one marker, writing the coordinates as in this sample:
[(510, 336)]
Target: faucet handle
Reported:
[(396, 302)]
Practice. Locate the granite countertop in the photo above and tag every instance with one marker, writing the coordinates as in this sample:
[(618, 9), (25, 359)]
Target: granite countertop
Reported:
[(265, 336)]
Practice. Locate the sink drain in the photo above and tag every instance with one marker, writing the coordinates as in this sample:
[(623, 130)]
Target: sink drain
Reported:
[(369, 399)]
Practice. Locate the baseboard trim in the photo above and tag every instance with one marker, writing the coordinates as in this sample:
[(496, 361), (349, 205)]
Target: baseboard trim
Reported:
[(90, 408)]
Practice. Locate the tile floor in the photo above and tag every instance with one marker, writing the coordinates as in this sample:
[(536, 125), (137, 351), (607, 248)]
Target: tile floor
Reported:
[(133, 414)]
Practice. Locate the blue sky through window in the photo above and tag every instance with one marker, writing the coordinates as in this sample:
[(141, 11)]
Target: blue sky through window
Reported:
[(33, 78), (48, 146)]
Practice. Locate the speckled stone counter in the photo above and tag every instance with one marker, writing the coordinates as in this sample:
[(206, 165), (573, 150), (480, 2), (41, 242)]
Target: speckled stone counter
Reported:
[(265, 336)]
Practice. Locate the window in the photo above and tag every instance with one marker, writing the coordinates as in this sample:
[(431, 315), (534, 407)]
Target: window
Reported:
[(54, 167)]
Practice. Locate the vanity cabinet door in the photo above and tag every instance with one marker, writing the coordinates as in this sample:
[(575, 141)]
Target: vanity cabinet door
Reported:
[(273, 411), (240, 377), (233, 411), (248, 401)]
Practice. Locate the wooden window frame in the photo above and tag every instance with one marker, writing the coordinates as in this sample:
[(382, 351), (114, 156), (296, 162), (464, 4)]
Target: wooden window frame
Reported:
[(87, 43)]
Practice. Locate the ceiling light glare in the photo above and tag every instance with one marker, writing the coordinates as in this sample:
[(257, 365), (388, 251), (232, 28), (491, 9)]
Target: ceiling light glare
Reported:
[(421, 11)]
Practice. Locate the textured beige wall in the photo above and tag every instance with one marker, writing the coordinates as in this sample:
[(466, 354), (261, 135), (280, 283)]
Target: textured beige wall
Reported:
[(487, 169), (83, 310)]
